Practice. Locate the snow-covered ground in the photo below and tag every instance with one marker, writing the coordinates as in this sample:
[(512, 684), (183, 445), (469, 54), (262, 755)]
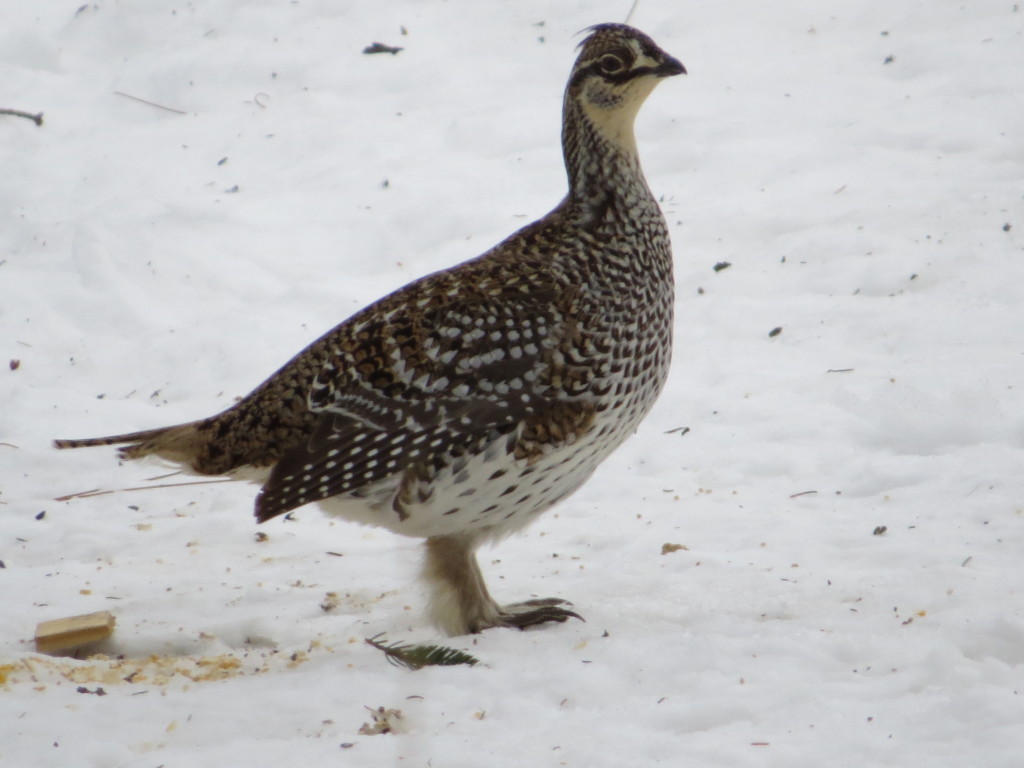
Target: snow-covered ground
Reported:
[(860, 165)]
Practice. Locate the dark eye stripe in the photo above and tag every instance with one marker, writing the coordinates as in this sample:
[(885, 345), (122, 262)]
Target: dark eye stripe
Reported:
[(621, 77), (617, 77)]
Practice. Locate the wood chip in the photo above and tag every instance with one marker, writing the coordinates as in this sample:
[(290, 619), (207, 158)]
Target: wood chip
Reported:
[(73, 631)]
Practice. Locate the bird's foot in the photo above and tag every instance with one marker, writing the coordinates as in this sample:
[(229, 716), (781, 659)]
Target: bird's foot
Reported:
[(532, 612)]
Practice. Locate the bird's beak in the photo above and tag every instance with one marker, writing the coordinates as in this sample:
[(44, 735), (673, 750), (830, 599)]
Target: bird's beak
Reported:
[(670, 67)]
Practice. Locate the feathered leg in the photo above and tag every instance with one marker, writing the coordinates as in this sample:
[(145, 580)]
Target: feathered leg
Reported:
[(459, 601)]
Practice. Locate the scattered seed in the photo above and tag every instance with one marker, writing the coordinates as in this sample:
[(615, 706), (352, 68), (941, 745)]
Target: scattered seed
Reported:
[(382, 48)]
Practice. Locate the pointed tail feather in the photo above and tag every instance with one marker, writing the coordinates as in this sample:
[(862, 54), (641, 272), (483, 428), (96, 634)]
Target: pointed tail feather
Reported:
[(130, 437), (180, 443)]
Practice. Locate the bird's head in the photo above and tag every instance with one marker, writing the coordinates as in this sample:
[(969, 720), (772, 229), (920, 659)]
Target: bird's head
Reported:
[(616, 70)]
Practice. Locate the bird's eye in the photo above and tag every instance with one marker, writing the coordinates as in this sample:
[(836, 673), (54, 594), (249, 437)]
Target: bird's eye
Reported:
[(610, 64)]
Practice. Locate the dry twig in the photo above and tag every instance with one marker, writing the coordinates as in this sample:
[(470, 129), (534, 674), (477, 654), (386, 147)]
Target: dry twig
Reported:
[(101, 492), (36, 118), (151, 103)]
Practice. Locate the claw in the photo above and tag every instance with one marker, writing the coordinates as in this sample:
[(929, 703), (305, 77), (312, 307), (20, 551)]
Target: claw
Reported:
[(529, 613)]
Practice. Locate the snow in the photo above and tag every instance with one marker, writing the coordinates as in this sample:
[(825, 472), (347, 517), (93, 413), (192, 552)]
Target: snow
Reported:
[(858, 163)]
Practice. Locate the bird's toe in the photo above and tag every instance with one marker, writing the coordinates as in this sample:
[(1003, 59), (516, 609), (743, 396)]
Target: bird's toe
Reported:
[(529, 613)]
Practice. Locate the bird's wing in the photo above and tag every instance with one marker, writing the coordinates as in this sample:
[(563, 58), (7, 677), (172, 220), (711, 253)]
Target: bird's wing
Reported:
[(414, 388)]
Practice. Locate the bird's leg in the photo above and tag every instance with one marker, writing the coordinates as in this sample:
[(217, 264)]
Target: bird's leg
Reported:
[(459, 601)]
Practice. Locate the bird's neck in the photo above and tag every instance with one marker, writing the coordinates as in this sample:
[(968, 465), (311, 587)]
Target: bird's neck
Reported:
[(600, 153)]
